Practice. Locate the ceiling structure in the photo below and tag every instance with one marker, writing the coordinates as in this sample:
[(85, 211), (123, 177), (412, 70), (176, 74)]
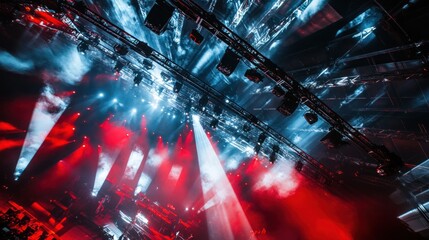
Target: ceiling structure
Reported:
[(366, 61), (351, 56)]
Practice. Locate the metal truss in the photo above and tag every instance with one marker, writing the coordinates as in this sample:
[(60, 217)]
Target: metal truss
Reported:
[(280, 77), (146, 51)]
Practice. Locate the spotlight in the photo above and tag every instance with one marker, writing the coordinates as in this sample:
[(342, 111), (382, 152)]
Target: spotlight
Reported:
[(278, 91), (214, 123), (148, 64), (217, 110), (177, 86), (253, 75), (158, 17), (257, 148), (138, 78), (203, 102), (289, 104), (118, 67), (246, 128), (100, 95), (272, 157), (333, 139), (261, 138), (311, 117), (120, 49), (228, 62), (196, 36), (82, 47), (142, 47), (276, 148), (115, 100), (134, 110)]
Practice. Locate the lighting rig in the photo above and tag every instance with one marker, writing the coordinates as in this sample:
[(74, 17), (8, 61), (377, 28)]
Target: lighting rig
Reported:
[(142, 49), (388, 161)]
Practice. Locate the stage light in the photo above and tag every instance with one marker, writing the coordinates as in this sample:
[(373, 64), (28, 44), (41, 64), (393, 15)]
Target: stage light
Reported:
[(257, 148), (196, 36), (246, 128), (82, 47), (228, 62), (333, 139), (115, 100), (148, 64), (214, 123), (272, 158), (278, 91), (203, 102), (311, 117), (289, 104), (261, 138), (134, 110), (120, 49), (118, 67), (276, 148), (217, 110), (253, 75), (138, 79), (100, 95), (158, 17), (177, 86)]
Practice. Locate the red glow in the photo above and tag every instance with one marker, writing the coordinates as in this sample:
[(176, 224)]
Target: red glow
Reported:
[(7, 127), (10, 143)]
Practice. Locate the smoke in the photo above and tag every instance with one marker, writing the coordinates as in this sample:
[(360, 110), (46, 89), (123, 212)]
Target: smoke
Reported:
[(15, 64), (280, 179)]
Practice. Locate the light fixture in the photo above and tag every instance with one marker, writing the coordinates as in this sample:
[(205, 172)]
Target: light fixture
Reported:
[(196, 36), (333, 139), (148, 64), (253, 75), (257, 148), (278, 91), (217, 110), (289, 104), (158, 17), (261, 138), (118, 67), (82, 47), (138, 78), (120, 49), (273, 155), (214, 123), (311, 117), (177, 86), (246, 128), (203, 102), (228, 62)]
